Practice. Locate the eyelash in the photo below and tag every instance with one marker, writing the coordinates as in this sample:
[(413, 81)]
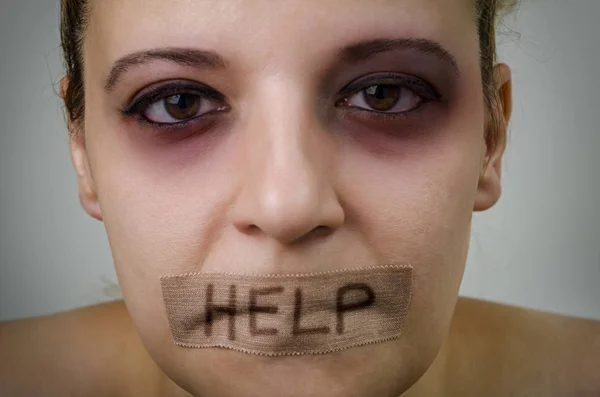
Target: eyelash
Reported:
[(425, 91), (140, 104)]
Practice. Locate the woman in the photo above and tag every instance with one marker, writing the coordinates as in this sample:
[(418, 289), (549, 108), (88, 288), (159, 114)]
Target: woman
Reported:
[(312, 167)]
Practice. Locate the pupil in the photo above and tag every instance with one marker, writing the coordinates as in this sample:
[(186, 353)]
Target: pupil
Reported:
[(182, 106), (382, 97), (184, 101)]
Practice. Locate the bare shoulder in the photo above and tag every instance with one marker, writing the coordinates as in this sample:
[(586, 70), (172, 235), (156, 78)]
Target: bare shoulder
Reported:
[(91, 351), (528, 351)]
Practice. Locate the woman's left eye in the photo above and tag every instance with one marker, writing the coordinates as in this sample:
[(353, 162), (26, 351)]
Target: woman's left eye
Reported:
[(179, 108), (385, 98)]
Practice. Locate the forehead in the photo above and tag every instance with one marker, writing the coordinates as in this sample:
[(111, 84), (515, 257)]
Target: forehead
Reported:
[(264, 29)]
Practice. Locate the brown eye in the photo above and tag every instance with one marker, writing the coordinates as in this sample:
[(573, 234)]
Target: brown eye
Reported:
[(182, 106), (385, 98), (382, 97)]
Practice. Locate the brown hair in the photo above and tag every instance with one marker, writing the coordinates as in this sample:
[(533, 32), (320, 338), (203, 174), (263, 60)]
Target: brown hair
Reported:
[(74, 15)]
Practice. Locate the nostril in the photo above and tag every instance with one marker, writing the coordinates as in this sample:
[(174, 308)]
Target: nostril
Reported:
[(317, 232), (321, 231), (253, 229)]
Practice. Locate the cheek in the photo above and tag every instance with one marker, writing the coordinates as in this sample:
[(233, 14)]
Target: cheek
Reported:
[(416, 208), (414, 205), (416, 197), (411, 205), (162, 210)]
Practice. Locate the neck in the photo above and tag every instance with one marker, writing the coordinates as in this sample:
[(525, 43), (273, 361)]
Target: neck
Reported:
[(432, 383)]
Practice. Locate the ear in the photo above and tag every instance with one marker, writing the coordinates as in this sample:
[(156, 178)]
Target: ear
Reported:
[(87, 191), (489, 188)]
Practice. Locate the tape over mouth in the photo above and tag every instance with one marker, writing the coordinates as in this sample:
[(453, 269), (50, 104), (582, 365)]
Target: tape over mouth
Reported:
[(288, 314)]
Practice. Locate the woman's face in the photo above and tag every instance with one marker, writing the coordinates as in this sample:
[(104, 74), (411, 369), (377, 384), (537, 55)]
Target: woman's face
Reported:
[(277, 157)]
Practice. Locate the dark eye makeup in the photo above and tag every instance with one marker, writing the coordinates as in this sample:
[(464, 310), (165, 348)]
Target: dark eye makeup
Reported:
[(386, 82), (413, 83), (160, 93)]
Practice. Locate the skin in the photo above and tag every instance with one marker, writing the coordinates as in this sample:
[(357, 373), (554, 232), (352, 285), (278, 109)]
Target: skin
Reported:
[(286, 181), (247, 195)]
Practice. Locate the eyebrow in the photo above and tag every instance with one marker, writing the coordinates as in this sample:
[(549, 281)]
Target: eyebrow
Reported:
[(187, 57), (366, 49), (203, 59)]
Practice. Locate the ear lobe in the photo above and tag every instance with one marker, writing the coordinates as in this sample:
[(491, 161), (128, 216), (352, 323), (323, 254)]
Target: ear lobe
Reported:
[(87, 191), (88, 196), (489, 188)]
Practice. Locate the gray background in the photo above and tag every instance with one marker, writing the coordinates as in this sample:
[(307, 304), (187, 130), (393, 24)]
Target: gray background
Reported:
[(538, 248)]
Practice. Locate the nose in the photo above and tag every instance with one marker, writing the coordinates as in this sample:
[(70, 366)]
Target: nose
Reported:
[(287, 165)]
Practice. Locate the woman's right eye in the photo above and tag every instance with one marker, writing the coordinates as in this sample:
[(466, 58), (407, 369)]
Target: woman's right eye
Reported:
[(179, 108)]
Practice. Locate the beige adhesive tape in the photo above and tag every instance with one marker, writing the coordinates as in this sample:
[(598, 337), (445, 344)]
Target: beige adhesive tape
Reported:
[(288, 314)]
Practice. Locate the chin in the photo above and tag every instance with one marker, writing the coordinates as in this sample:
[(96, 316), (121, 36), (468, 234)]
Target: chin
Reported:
[(385, 369)]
